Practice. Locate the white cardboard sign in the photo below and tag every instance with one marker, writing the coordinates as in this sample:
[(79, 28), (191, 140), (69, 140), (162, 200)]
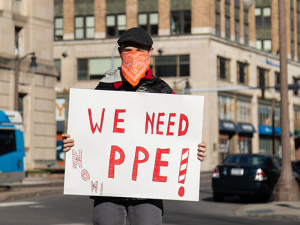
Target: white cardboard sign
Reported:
[(131, 144)]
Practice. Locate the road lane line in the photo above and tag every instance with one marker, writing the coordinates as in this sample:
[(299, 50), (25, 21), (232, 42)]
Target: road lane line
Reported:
[(8, 204)]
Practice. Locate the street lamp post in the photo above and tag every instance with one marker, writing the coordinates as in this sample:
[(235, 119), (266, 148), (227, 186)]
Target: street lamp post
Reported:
[(32, 66), (286, 188)]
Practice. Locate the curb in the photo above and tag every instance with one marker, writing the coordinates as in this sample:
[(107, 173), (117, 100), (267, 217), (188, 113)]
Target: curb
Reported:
[(33, 184), (29, 194), (267, 213)]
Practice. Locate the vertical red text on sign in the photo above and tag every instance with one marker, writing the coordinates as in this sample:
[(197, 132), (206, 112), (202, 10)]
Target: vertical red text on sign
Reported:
[(85, 175), (94, 186), (77, 159)]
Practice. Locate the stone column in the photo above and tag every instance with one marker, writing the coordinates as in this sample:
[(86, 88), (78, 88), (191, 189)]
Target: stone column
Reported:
[(222, 18), (203, 16), (232, 21), (100, 18), (252, 31), (131, 13), (295, 31), (68, 11), (242, 39), (164, 18), (288, 27), (274, 26)]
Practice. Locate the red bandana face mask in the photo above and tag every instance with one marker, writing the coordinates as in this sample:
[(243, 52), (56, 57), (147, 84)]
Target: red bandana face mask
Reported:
[(135, 64)]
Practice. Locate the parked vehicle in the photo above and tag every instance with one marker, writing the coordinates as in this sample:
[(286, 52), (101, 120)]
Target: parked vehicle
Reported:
[(247, 175), (12, 152)]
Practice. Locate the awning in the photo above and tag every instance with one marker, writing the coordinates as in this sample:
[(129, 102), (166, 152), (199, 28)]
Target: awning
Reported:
[(227, 126), (245, 128), (267, 130)]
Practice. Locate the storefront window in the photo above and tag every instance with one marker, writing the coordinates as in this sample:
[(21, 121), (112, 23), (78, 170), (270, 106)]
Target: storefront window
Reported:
[(243, 111), (226, 108), (244, 145), (224, 146)]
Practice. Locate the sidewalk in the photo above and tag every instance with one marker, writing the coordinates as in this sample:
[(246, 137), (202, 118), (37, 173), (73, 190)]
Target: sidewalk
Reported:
[(272, 210), (32, 186)]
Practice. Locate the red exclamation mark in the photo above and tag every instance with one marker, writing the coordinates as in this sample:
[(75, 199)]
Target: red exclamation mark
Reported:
[(182, 170)]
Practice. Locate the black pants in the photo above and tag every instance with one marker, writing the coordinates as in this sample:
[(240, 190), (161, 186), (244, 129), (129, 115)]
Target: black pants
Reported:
[(108, 211)]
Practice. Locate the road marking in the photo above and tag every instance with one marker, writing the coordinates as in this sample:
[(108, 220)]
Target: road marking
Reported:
[(7, 204)]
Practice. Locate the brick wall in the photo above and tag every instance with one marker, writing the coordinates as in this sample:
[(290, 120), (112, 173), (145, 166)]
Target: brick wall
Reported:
[(252, 32), (164, 17), (68, 8), (203, 16), (100, 18), (131, 13), (275, 26)]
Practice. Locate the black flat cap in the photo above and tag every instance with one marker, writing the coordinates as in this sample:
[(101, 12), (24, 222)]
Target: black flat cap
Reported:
[(136, 34)]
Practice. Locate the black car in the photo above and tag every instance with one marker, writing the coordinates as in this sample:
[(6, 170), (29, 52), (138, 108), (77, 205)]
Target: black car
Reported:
[(247, 175)]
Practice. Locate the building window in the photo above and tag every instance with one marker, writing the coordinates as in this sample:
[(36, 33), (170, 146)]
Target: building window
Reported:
[(277, 79), (297, 118), (295, 81), (263, 17), (265, 114), (223, 68), (180, 22), (217, 17), (246, 27), (292, 49), (227, 18), (95, 68), (57, 64), (17, 40), (265, 45), (262, 77), (58, 28), (84, 27), (115, 25), (226, 108), (242, 73), (21, 104), (171, 66), (149, 22), (243, 111)]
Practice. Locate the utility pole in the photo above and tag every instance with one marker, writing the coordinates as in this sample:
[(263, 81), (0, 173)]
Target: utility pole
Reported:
[(286, 188)]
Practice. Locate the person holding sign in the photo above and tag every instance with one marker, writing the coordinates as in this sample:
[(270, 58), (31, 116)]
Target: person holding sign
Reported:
[(135, 48)]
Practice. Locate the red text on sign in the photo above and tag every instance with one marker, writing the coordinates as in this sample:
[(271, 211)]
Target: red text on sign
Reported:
[(93, 128), (158, 163), (113, 161), (117, 120), (160, 123), (77, 159), (137, 161)]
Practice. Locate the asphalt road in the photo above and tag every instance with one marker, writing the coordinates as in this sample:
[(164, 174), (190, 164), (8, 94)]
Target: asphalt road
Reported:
[(77, 210)]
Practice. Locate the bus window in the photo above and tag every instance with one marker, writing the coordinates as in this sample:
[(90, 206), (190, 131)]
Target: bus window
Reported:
[(7, 141)]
